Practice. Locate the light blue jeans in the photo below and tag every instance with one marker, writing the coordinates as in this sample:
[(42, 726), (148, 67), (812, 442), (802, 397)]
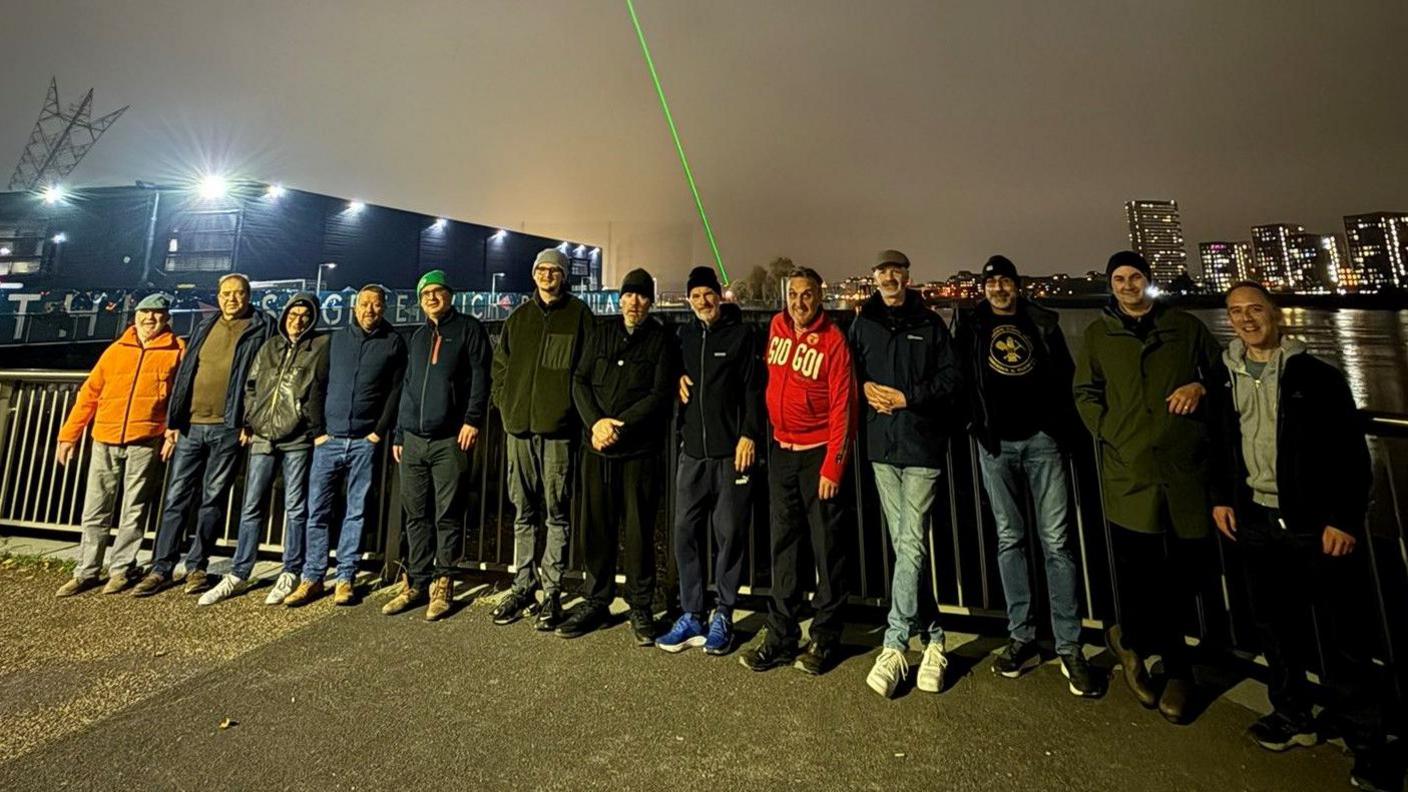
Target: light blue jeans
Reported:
[(1035, 464), (258, 481), (906, 497)]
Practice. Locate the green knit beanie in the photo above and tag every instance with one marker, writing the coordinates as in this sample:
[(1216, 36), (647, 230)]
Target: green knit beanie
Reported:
[(432, 278)]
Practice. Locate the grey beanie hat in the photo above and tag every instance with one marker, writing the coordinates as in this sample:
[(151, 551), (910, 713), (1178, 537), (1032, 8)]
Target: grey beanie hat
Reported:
[(553, 258)]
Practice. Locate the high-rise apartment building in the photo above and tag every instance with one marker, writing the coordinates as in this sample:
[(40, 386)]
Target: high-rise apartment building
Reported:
[(1225, 263), (1156, 233), (1378, 248)]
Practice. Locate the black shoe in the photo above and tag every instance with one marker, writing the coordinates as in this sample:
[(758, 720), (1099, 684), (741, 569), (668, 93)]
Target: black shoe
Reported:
[(583, 619), (643, 626), (1015, 658), (816, 659), (1376, 771), (514, 607), (1081, 680), (550, 614), (1276, 732), (1135, 675), (762, 654), (1173, 703)]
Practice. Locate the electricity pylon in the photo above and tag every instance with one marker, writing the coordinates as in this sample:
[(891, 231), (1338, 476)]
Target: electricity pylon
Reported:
[(59, 141)]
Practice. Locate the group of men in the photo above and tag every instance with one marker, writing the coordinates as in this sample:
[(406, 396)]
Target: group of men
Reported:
[(592, 398)]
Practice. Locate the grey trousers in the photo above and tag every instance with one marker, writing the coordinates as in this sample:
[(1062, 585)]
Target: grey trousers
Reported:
[(139, 468), (540, 486)]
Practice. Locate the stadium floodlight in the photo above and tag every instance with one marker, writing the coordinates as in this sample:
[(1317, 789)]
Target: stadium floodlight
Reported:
[(275, 192), (212, 187), (4, 251), (52, 194), (581, 249), (565, 246), (440, 223), (500, 234), (355, 206), (596, 251), (60, 238)]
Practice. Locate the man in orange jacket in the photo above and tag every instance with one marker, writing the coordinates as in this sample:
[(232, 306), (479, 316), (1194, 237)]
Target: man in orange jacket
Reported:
[(124, 398)]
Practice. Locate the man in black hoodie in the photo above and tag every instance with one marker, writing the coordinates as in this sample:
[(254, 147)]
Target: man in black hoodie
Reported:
[(904, 362), (622, 389), (1021, 411), (444, 401), (720, 425), (539, 348), (284, 398)]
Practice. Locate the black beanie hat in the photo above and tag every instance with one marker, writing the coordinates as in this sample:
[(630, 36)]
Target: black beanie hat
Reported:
[(1128, 258), (997, 267), (703, 276), (638, 281)]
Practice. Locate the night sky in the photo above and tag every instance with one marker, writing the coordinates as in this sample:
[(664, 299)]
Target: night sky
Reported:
[(823, 131)]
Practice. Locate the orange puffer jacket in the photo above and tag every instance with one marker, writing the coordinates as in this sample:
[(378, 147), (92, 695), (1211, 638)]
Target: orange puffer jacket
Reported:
[(125, 394)]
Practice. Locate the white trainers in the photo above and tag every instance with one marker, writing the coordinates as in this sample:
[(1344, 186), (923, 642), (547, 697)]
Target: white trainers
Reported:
[(228, 586), (283, 587), (890, 667), (930, 678)]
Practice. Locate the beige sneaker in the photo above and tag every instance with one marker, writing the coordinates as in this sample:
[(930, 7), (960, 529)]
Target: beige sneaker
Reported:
[(117, 583), (407, 599), (197, 581), (76, 586), (150, 585), (344, 594), (307, 591), (442, 591)]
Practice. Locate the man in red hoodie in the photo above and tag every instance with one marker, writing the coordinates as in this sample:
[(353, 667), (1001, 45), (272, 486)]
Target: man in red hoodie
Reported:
[(811, 400)]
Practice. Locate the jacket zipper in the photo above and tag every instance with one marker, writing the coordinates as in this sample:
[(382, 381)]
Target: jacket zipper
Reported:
[(127, 414), (703, 377), (425, 376)]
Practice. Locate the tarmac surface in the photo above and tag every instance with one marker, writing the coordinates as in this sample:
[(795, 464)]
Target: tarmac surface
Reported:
[(345, 698)]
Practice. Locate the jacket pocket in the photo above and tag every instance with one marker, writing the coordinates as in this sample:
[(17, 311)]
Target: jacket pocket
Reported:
[(557, 351)]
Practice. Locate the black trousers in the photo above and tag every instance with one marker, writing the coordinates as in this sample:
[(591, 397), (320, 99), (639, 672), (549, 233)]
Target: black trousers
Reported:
[(1158, 578), (797, 514), (710, 494), (432, 490), (1299, 594), (619, 499)]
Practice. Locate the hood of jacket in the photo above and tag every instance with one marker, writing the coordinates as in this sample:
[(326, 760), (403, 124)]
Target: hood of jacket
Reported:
[(301, 298), (1235, 356)]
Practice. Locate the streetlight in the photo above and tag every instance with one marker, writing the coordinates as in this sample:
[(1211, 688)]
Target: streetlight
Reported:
[(212, 187), (494, 289), (318, 288)]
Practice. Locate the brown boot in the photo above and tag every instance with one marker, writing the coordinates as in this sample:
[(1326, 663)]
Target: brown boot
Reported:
[(150, 585), (117, 581), (76, 586), (442, 591), (407, 599), (197, 581), (345, 594), (307, 591), (1135, 675)]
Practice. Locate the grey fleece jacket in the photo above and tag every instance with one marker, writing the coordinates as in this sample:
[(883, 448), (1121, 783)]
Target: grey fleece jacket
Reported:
[(1257, 402)]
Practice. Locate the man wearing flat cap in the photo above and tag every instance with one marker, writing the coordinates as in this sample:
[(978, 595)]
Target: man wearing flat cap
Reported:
[(1142, 385), (124, 400), (623, 388)]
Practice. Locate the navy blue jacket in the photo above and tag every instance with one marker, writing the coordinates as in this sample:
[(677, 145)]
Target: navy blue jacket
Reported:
[(906, 348), (447, 378), (725, 362), (178, 410), (365, 374)]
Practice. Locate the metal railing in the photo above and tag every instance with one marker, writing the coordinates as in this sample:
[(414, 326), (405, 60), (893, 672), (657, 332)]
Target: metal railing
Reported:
[(37, 495)]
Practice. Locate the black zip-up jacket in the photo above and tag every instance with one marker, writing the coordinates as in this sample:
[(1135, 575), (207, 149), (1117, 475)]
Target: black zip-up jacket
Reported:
[(447, 378), (1054, 362), (632, 377), (1323, 470), (539, 348), (366, 372), (178, 411), (725, 362), (286, 384), (909, 349)]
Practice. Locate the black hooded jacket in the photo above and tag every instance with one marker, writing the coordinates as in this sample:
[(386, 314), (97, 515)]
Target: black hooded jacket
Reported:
[(907, 348), (725, 362), (447, 378), (632, 377), (1054, 363), (287, 383)]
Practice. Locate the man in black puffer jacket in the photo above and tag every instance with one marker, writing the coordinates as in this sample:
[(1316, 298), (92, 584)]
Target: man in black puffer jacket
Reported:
[(284, 412), (623, 388), (444, 402)]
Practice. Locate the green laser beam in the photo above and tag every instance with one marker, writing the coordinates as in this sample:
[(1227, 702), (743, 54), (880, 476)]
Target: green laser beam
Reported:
[(679, 147)]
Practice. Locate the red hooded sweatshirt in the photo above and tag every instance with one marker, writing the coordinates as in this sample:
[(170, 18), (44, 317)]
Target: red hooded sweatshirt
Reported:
[(811, 388)]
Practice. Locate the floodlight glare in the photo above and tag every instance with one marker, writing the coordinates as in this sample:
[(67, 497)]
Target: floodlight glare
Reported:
[(500, 234), (580, 250), (355, 206), (440, 223), (596, 251), (4, 251), (60, 238), (213, 187), (276, 191), (53, 194)]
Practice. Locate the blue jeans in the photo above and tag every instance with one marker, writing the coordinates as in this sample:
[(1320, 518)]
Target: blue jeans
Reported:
[(1038, 465), (204, 462), (906, 497), (352, 458), (258, 480)]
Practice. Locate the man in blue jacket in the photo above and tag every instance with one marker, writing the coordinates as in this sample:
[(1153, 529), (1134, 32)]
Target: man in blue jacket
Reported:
[(366, 368), (905, 364), (444, 402), (204, 418)]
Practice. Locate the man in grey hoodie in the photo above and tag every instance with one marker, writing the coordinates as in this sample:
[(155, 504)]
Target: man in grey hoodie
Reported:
[(284, 392)]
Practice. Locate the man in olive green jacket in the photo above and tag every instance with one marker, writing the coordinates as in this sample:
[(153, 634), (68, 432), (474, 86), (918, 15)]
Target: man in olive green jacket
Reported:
[(1140, 384)]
